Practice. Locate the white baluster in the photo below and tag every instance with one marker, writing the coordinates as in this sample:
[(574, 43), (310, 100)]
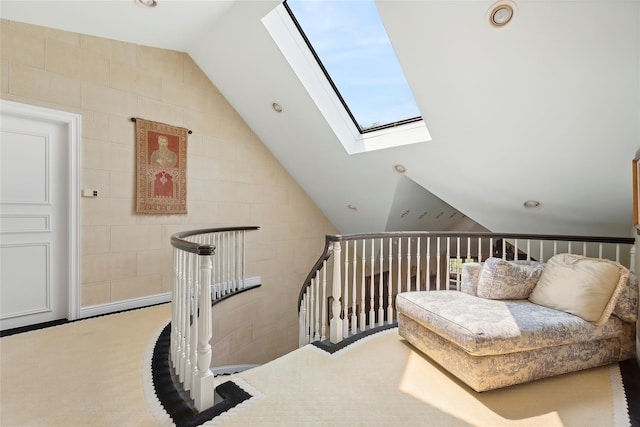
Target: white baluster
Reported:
[(447, 278), (335, 324), (428, 255), (184, 322), (372, 313), (204, 383), (175, 308), (363, 319), (418, 287), (309, 308), (316, 314), (389, 284), (323, 312), (408, 264), (345, 295), (192, 319), (301, 324), (438, 282), (190, 341), (244, 259), (354, 308), (399, 264), (458, 264), (381, 286)]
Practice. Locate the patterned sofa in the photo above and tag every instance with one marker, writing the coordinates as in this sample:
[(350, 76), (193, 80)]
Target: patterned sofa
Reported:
[(517, 321)]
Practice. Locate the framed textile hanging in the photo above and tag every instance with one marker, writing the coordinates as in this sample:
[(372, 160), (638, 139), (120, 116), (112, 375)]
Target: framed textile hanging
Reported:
[(161, 168)]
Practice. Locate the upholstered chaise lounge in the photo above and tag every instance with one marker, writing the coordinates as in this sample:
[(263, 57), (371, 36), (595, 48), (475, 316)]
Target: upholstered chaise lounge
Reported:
[(519, 321)]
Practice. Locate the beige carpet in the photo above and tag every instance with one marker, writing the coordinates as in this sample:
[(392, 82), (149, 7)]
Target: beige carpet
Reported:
[(382, 381), (86, 373), (96, 372)]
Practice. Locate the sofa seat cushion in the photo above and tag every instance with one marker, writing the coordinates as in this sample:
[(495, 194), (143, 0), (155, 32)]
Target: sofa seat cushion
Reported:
[(490, 327)]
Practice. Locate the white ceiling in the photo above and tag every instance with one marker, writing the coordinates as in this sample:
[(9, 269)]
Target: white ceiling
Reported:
[(547, 108)]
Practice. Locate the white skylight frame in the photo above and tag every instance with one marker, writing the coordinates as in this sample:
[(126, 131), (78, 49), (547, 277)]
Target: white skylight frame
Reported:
[(294, 48)]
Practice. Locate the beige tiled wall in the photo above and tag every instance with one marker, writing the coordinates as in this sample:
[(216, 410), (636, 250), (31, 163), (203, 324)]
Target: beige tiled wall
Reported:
[(232, 179)]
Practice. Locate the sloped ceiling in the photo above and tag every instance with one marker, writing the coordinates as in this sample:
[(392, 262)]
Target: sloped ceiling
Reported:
[(547, 108)]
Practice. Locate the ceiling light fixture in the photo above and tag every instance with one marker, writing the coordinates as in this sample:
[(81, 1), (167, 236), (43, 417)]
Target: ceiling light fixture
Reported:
[(277, 107), (146, 3), (531, 204), (501, 13), (405, 213), (399, 168), (352, 207)]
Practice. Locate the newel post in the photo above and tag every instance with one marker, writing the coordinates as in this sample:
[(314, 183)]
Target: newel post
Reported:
[(204, 386), (335, 324)]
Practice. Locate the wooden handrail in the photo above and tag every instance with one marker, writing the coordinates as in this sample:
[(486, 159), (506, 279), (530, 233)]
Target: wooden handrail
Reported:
[(352, 285), (178, 240), (329, 238)]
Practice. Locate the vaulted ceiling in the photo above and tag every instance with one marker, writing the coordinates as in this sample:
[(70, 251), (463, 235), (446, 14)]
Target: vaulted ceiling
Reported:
[(546, 108)]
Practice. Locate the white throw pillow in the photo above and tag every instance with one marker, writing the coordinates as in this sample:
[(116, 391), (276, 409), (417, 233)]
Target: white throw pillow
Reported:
[(586, 287)]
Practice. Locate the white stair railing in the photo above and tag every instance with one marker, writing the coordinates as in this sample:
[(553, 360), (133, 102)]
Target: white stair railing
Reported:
[(208, 265), (352, 287)]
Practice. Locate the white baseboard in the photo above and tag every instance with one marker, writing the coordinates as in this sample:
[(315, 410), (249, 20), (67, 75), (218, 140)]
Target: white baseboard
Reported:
[(113, 307)]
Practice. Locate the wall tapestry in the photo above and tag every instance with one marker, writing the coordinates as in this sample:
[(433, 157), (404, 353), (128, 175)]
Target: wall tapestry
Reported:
[(161, 167)]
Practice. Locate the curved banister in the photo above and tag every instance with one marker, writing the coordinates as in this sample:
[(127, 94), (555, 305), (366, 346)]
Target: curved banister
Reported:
[(330, 238), (352, 286), (178, 239), (199, 279), (568, 238), (325, 255)]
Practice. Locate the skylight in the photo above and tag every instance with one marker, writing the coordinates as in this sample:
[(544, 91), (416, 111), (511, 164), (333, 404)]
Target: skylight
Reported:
[(352, 47)]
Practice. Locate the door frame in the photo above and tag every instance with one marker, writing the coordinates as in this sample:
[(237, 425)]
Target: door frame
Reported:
[(72, 122)]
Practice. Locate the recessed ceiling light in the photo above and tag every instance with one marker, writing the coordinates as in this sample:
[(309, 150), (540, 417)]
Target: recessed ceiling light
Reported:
[(501, 13), (146, 3), (405, 213), (399, 168), (277, 107), (530, 204)]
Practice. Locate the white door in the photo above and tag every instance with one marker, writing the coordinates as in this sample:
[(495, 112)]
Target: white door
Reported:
[(35, 256)]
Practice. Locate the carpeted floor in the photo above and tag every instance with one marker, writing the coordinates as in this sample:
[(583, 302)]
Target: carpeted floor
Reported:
[(85, 373), (98, 372), (382, 381)]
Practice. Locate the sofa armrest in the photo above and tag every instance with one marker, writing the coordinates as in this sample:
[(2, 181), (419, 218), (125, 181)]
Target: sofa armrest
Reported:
[(469, 279), (628, 303)]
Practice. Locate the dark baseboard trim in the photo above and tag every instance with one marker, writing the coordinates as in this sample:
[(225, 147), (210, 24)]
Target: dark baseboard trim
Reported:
[(22, 329), (630, 371), (331, 348), (28, 328), (181, 411)]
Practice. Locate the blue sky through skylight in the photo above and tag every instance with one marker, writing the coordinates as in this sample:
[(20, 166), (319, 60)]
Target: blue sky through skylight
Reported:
[(352, 44)]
